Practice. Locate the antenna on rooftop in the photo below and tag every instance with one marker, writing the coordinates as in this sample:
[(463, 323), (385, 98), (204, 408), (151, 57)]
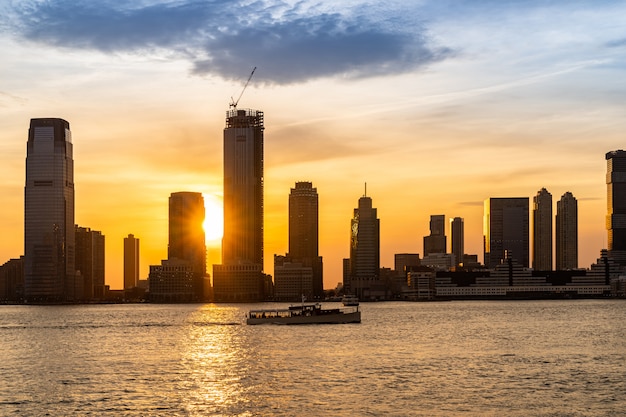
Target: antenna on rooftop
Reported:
[(234, 103), (365, 195)]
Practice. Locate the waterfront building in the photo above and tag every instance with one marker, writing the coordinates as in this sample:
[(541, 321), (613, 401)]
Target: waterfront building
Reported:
[(240, 277), (49, 241), (567, 232), (304, 233), (12, 280), (90, 262), (457, 234), (131, 262), (439, 261), (505, 228), (542, 231), (186, 235), (402, 261), (616, 205), (292, 280), (172, 282), (436, 241), (364, 248)]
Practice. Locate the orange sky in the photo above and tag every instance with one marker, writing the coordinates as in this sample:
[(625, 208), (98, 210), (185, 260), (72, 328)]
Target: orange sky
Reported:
[(493, 103)]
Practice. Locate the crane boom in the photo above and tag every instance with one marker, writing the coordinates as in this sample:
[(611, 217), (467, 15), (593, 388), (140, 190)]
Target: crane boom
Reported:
[(234, 103)]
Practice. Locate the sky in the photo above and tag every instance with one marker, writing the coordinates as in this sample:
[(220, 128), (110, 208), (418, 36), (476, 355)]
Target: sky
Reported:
[(435, 104)]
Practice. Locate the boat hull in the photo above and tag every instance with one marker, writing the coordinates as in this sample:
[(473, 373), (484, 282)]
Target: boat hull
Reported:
[(341, 318)]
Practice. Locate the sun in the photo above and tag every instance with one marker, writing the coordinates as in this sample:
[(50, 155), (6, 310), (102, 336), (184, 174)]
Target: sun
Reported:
[(214, 219)]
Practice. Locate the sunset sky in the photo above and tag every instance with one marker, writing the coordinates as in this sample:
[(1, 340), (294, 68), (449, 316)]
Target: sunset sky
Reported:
[(436, 105)]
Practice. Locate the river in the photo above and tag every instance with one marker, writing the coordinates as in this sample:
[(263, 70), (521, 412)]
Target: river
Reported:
[(482, 358)]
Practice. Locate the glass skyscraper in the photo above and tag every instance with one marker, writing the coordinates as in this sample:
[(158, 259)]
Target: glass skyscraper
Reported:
[(616, 205), (49, 240), (505, 228)]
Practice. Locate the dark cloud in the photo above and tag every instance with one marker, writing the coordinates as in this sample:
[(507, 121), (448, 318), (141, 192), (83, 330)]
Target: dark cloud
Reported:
[(288, 44)]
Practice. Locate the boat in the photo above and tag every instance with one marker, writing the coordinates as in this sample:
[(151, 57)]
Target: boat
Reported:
[(350, 300), (305, 314)]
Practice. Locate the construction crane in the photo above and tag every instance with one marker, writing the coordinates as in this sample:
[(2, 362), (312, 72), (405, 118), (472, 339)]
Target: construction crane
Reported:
[(234, 103)]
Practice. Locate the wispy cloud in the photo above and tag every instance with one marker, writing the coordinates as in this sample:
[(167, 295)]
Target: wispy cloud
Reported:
[(289, 43)]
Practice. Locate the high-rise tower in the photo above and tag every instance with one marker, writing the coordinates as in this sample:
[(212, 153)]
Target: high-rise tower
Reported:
[(49, 241), (436, 241), (616, 205), (505, 228), (186, 235), (364, 246), (567, 232), (458, 239), (131, 262), (304, 231), (240, 277), (542, 231)]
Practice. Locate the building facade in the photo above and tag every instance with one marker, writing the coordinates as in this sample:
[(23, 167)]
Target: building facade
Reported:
[(457, 233), (542, 231), (49, 242), (240, 277), (186, 235), (616, 205), (364, 247), (505, 229), (436, 241), (304, 232), (172, 282), (90, 262), (131, 262), (567, 232)]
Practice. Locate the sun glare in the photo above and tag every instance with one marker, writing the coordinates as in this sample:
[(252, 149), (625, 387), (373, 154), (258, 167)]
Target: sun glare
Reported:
[(214, 219)]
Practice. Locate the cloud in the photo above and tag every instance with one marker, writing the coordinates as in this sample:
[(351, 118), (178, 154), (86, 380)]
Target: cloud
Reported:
[(289, 43)]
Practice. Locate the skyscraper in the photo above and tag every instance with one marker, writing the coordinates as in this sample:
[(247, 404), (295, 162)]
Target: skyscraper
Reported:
[(364, 246), (505, 228), (49, 241), (567, 232), (186, 235), (240, 276), (436, 241), (304, 232), (131, 262), (616, 205), (458, 239), (90, 262), (542, 231)]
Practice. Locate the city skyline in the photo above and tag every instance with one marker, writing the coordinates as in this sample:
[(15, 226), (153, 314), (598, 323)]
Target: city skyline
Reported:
[(494, 100)]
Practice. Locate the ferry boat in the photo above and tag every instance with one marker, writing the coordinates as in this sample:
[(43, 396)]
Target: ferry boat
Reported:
[(305, 314), (350, 300)]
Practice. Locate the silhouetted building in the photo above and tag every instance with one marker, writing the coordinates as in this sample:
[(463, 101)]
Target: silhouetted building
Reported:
[(131, 262), (436, 241), (364, 248), (567, 232), (172, 282), (304, 233), (505, 229), (90, 262), (240, 277), (542, 231), (49, 246), (186, 235), (457, 233), (616, 204), (292, 279), (12, 280), (402, 261)]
